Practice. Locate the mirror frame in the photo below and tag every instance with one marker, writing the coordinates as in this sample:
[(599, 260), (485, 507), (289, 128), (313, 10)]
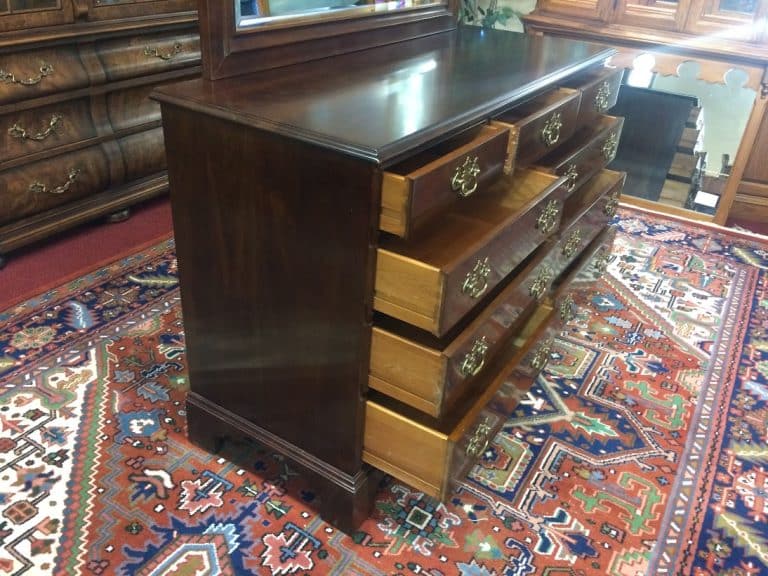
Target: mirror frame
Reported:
[(227, 51)]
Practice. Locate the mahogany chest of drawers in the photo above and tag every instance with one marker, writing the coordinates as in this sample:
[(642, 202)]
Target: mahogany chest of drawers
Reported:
[(376, 250)]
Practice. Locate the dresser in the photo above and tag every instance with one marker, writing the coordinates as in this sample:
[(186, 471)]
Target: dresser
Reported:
[(377, 249), (79, 136)]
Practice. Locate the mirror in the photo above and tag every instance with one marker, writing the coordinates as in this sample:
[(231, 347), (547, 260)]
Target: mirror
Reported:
[(682, 130), (252, 13)]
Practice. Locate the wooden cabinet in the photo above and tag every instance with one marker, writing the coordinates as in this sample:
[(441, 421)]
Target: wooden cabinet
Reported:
[(384, 268), (79, 136)]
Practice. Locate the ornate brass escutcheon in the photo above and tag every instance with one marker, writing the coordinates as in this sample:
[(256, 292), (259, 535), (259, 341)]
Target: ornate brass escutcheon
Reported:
[(464, 180), (572, 176), (539, 286), (566, 308), (476, 280), (572, 244), (601, 262), (609, 146), (541, 357), (38, 188), (474, 359), (479, 440), (10, 77), (550, 134), (155, 53), (611, 205), (548, 218), (17, 131), (603, 97)]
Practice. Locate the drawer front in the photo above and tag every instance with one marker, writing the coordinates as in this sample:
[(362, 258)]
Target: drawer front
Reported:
[(604, 188), (143, 153), (591, 265), (436, 296), (132, 107), (599, 91), (44, 128), (49, 183), (35, 73), (431, 459), (148, 54), (541, 125), (440, 177), (590, 152)]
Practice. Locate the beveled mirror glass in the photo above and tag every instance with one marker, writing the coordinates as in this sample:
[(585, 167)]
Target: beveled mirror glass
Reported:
[(265, 13)]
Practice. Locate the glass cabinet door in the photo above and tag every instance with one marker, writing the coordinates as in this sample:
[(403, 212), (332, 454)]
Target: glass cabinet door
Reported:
[(730, 19), (587, 9), (655, 14), (18, 14)]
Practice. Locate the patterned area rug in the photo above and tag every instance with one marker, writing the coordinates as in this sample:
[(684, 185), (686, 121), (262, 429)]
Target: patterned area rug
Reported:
[(641, 450)]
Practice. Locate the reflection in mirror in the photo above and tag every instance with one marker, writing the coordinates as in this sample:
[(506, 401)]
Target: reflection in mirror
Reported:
[(742, 6), (265, 12), (681, 133)]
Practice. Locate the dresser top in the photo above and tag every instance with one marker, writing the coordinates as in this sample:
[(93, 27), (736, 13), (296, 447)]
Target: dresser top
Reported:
[(382, 103)]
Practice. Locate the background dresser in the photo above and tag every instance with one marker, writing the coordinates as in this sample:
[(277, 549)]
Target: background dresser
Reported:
[(392, 237), (79, 137)]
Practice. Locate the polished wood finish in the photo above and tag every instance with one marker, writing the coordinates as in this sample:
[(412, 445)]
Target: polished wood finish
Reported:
[(79, 137), (599, 91)]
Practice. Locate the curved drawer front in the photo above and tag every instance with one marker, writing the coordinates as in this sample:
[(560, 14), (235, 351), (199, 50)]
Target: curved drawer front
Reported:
[(148, 54), (599, 91), (132, 107), (434, 279), (590, 150), (143, 153), (34, 73), (540, 125), (430, 457), (45, 128), (49, 183), (439, 177)]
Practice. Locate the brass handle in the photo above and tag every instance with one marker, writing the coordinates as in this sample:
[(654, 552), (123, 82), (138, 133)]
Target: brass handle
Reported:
[(601, 262), (566, 309), (155, 53), (541, 357), (474, 360), (609, 146), (603, 97), (10, 77), (37, 187), (539, 286), (476, 280), (572, 244), (548, 218), (572, 175), (464, 180), (610, 207), (479, 440), (550, 134), (17, 131)]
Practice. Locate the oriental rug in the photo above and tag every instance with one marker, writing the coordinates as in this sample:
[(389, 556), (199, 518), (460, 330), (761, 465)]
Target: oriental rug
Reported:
[(642, 449)]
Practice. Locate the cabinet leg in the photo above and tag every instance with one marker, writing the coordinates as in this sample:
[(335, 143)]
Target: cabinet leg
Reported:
[(119, 216)]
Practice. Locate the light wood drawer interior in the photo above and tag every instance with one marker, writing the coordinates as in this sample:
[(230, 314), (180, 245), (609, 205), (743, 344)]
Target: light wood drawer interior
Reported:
[(432, 280), (450, 172)]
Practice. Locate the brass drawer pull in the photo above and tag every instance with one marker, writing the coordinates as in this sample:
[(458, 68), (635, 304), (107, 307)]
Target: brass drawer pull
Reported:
[(572, 175), (17, 131), (37, 187), (479, 440), (566, 309), (155, 53), (572, 244), (610, 207), (464, 180), (541, 357), (539, 286), (476, 280), (609, 146), (603, 97), (548, 218), (601, 262), (10, 77), (550, 134), (474, 360)]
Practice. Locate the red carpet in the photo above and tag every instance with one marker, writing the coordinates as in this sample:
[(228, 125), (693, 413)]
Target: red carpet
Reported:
[(640, 450), (34, 269)]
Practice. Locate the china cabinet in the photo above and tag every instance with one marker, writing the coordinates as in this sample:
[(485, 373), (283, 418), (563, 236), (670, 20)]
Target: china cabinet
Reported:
[(394, 233), (79, 136)]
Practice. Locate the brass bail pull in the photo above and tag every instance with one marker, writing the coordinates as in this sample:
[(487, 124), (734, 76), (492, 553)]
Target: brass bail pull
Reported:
[(464, 180)]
